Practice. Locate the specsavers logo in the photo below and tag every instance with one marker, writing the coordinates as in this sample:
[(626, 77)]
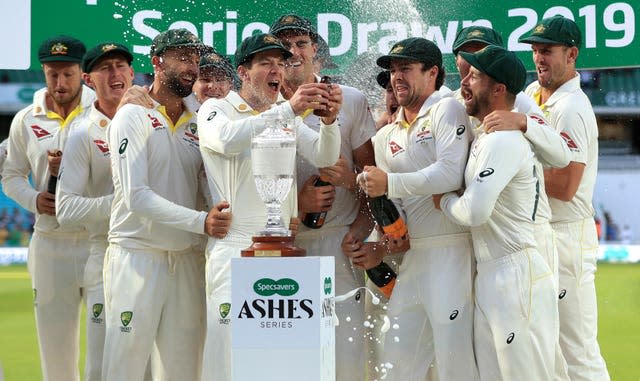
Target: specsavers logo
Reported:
[(275, 308), (328, 285), (268, 287)]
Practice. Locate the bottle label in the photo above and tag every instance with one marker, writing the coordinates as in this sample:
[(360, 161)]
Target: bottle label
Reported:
[(387, 289), (396, 230)]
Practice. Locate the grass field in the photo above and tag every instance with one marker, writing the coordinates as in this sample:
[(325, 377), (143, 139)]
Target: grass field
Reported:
[(618, 297)]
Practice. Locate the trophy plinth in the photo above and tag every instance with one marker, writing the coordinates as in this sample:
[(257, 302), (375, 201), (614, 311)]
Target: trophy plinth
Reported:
[(273, 246), (273, 157)]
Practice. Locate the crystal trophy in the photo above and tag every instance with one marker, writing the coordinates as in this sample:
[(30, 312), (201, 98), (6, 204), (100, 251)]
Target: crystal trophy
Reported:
[(273, 158)]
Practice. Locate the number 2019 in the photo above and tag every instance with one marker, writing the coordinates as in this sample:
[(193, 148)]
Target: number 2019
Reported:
[(617, 17)]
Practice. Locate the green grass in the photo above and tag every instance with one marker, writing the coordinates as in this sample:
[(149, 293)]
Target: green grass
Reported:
[(19, 355), (618, 297), (618, 288)]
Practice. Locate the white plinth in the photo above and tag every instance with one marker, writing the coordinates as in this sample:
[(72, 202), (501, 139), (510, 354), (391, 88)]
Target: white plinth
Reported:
[(282, 328)]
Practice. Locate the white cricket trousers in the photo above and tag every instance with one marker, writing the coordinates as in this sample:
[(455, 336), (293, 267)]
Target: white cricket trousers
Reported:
[(350, 334), (95, 313), (577, 252), (56, 263), (431, 312), (217, 364), (516, 318), (154, 310)]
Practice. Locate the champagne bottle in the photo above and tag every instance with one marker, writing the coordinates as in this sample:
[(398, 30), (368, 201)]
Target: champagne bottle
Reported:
[(325, 79), (384, 277), (53, 179), (315, 220), (387, 216), (51, 184)]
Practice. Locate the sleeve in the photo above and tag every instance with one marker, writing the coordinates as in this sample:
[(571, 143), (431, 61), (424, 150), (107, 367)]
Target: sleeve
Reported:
[(379, 144), (72, 208), (573, 129), (491, 176), (450, 133), (129, 133), (15, 174), (218, 132), (550, 148), (321, 149)]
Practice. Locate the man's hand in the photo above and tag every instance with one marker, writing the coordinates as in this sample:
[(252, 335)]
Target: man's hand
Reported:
[(54, 157), (363, 255), (313, 199), (340, 174), (501, 120), (373, 181), (313, 96), (218, 220), (436, 200), (46, 203), (137, 95), (334, 104)]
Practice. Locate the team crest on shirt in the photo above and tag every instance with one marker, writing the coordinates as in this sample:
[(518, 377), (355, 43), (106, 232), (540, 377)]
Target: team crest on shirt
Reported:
[(40, 132), (102, 146), (395, 148), (224, 309), (155, 123), (125, 319), (423, 136), (570, 143), (96, 311), (191, 135)]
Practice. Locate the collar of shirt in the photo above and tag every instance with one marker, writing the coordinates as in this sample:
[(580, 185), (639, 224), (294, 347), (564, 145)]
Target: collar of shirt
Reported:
[(239, 103), (424, 110), (565, 89), (190, 108)]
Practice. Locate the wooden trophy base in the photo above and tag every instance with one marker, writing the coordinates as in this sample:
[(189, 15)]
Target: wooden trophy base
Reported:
[(273, 246)]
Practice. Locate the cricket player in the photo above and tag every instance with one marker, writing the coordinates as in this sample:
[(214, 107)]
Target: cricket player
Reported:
[(422, 153), (390, 102), (555, 45), (226, 127), (57, 254), (216, 77), (516, 320), (348, 218), (153, 276), (549, 147), (85, 188)]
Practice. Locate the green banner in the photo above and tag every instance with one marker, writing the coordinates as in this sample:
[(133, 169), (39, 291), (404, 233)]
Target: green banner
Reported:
[(358, 31)]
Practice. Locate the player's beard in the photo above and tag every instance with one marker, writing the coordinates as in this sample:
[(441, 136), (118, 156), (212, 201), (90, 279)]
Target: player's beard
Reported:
[(67, 97), (176, 86), (478, 105)]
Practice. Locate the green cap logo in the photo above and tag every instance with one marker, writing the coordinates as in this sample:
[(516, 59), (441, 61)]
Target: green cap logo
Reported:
[(126, 317), (327, 285), (224, 309), (97, 309), (283, 287)]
